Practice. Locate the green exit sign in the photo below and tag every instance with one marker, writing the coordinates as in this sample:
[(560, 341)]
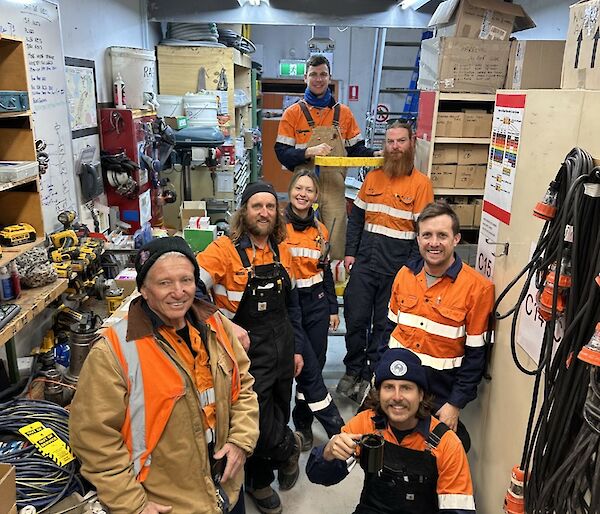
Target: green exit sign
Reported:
[(292, 68)]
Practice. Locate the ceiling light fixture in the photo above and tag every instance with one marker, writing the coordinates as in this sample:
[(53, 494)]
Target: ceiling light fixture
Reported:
[(254, 3), (414, 4)]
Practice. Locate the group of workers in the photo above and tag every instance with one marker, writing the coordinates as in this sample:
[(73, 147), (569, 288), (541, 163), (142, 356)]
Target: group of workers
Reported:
[(185, 402)]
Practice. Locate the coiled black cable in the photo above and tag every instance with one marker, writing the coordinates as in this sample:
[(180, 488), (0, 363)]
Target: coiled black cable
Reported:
[(40, 482)]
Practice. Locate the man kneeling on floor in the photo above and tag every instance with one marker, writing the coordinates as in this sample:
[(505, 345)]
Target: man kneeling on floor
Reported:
[(420, 465)]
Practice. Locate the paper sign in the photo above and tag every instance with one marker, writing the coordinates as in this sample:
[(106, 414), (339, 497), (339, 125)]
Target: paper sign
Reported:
[(48, 443)]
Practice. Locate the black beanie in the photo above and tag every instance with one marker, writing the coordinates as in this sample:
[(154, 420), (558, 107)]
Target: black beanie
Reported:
[(257, 187), (150, 252), (401, 364)]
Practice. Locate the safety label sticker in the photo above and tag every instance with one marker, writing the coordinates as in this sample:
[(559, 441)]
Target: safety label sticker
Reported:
[(48, 443)]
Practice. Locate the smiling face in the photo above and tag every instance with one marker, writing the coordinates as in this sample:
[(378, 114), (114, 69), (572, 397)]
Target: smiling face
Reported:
[(169, 288), (437, 241), (398, 152), (261, 211), (399, 400), (303, 194), (317, 79)]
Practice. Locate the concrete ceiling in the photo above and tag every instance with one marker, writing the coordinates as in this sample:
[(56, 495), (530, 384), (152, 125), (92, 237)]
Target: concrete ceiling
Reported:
[(357, 13)]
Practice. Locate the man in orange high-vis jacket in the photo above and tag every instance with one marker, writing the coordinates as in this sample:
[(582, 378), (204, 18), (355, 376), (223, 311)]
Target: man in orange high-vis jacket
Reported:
[(318, 125), (423, 469), (164, 415), (439, 309), (379, 241)]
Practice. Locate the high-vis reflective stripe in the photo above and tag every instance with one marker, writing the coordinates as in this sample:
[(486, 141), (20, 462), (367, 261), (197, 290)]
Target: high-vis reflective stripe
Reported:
[(431, 327), (390, 232), (384, 209), (206, 277), (427, 360), (392, 316), (226, 313), (456, 501), (353, 140), (207, 397), (301, 146), (309, 282), (234, 296), (286, 140), (298, 251), (475, 341), (315, 406)]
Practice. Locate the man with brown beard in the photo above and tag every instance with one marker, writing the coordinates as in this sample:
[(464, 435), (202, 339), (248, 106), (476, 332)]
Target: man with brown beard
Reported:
[(380, 239)]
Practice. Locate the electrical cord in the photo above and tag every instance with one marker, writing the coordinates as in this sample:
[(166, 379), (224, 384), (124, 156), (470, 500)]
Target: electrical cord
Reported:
[(40, 482)]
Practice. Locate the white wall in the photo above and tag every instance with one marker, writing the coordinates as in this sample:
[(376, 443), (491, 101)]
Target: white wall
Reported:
[(550, 16)]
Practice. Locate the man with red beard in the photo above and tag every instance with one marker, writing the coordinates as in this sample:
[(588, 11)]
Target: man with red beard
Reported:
[(380, 239)]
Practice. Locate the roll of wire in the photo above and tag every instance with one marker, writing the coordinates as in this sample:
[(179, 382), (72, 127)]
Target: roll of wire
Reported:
[(562, 443)]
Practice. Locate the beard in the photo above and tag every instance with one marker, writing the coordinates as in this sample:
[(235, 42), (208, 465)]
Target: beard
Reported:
[(259, 229), (398, 164)]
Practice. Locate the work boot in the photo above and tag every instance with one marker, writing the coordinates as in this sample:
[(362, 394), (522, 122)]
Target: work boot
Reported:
[(290, 471), (346, 385), (266, 500), (307, 438), (364, 387)]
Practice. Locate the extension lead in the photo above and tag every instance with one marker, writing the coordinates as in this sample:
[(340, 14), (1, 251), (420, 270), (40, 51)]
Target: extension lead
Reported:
[(557, 472)]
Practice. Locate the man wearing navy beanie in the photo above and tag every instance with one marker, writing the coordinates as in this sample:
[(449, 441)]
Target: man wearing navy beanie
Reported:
[(424, 466)]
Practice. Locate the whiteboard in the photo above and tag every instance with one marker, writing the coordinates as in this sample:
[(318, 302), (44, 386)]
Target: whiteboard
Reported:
[(37, 22)]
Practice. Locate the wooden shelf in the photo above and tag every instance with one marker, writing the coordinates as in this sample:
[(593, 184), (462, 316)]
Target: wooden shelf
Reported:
[(465, 140), (5, 186), (240, 59), (10, 253), (20, 114), (468, 97), (32, 302), (457, 192)]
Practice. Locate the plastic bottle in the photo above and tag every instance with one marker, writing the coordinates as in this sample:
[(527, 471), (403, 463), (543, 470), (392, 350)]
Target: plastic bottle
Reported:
[(15, 279), (6, 288), (119, 92)]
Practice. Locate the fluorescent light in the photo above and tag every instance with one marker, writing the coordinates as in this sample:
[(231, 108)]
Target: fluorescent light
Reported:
[(415, 4), (254, 3)]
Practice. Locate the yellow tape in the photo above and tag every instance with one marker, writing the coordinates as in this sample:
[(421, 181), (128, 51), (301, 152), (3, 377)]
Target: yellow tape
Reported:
[(348, 162), (48, 443)]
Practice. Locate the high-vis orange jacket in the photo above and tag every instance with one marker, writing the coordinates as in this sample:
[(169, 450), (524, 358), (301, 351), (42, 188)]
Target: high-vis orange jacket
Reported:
[(306, 247), (294, 133), (381, 226), (454, 486), (445, 325)]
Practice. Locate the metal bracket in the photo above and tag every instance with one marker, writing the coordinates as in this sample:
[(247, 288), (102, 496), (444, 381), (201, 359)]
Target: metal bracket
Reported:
[(504, 251)]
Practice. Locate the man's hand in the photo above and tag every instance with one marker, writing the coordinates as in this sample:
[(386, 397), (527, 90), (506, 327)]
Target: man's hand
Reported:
[(448, 414), (334, 321), (236, 458), (298, 364), (341, 446), (348, 262), (322, 149), (156, 508), (242, 335)]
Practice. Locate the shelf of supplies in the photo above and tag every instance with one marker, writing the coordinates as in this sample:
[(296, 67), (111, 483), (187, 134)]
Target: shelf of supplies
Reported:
[(444, 191), (10, 253), (4, 186), (469, 140), (20, 114), (468, 97), (32, 302)]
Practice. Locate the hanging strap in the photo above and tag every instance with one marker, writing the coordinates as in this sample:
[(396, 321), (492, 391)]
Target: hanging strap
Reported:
[(306, 112), (244, 256), (435, 436)]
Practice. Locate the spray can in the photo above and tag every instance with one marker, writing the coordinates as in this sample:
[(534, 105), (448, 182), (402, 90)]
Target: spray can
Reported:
[(6, 288), (119, 92), (15, 279)]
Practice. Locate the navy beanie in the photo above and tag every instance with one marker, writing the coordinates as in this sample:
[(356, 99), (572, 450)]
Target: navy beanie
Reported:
[(257, 187), (401, 364), (150, 252)]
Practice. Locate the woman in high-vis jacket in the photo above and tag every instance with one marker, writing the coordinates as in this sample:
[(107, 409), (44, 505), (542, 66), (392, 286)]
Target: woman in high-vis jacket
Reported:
[(308, 241)]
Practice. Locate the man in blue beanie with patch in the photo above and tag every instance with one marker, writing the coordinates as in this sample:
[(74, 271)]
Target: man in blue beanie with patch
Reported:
[(424, 467)]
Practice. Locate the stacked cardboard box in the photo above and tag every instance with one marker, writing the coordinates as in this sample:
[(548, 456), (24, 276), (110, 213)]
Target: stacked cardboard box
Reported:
[(460, 166), (470, 50)]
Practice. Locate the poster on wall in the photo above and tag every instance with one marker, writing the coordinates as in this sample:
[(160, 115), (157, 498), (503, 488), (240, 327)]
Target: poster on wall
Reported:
[(502, 165), (81, 96), (37, 22)]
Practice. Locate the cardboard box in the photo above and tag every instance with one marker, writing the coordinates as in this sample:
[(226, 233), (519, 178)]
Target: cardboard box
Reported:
[(445, 153), (477, 124), (470, 176), (478, 209), (198, 238), (449, 124), (479, 19), (191, 208), (176, 122), (443, 175), (8, 488), (535, 64), (580, 69), (463, 65), (473, 154), (465, 213), (126, 280)]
